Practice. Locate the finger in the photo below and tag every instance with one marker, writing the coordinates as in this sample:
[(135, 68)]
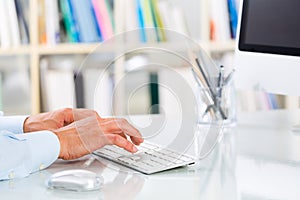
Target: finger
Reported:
[(122, 125), (68, 115), (133, 139), (122, 135), (121, 142), (136, 141)]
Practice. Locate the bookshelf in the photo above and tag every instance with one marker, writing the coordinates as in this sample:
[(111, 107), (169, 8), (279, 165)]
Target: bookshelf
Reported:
[(35, 50)]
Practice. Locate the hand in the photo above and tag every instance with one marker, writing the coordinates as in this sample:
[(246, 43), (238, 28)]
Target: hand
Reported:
[(91, 133), (55, 120)]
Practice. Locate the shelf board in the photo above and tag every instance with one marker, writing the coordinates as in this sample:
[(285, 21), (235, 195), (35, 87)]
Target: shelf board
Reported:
[(85, 48), (221, 46), (24, 49), (101, 48), (66, 48)]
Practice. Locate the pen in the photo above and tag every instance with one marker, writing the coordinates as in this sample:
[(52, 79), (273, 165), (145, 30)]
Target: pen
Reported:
[(208, 99), (195, 76), (229, 77), (199, 84), (205, 77), (219, 87), (210, 89), (220, 81)]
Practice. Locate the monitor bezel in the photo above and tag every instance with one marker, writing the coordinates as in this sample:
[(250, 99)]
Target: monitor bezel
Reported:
[(243, 46)]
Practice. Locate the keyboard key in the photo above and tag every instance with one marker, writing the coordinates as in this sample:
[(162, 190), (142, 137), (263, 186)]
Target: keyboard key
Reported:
[(142, 166), (126, 160), (122, 152), (109, 153), (135, 158), (185, 158), (162, 162)]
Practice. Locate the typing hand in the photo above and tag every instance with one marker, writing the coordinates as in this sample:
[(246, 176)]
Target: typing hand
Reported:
[(91, 133)]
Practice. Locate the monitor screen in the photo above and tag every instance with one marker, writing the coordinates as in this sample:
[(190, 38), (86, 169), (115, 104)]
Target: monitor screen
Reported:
[(270, 26)]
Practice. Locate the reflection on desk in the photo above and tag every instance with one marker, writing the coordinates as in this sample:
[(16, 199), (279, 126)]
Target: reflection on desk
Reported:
[(259, 159)]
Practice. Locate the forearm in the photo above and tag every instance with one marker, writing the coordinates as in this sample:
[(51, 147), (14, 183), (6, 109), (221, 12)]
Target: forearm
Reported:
[(23, 154)]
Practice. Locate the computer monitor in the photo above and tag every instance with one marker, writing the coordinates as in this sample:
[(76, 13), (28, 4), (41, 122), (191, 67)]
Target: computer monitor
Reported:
[(268, 46)]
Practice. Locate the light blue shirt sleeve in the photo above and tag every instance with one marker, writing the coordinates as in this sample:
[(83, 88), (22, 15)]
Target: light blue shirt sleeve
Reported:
[(12, 124), (22, 154)]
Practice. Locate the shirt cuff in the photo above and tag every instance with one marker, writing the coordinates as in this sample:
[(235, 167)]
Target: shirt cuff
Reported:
[(44, 148), (12, 124)]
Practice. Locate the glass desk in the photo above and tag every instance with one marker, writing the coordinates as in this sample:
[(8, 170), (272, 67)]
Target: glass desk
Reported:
[(258, 159)]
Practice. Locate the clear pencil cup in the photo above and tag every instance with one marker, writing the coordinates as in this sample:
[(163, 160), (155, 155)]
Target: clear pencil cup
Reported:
[(217, 105)]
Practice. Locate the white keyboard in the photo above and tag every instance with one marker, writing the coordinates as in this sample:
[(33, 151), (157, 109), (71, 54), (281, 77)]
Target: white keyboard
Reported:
[(150, 158)]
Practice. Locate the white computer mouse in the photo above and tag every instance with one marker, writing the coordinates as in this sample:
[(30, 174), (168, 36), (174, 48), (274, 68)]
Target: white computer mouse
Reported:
[(75, 180)]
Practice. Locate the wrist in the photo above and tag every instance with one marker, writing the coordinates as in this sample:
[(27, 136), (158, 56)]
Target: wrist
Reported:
[(64, 136), (61, 141), (25, 126)]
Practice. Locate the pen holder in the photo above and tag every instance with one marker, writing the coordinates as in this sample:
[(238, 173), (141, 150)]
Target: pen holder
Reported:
[(217, 104)]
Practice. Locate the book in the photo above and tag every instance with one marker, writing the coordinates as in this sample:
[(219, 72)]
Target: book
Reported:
[(63, 35), (163, 7), (42, 22), (102, 13), (57, 83), (233, 17), (9, 27), (13, 23), (98, 90), (154, 93), (110, 9), (4, 25), (169, 14), (274, 101), (21, 6), (79, 89), (132, 25), (44, 64), (52, 22), (90, 79), (220, 24), (141, 21), (149, 25), (59, 89), (158, 23), (69, 21), (85, 16), (119, 13)]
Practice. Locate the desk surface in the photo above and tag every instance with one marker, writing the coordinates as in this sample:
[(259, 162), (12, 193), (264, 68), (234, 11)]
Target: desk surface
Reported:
[(258, 159)]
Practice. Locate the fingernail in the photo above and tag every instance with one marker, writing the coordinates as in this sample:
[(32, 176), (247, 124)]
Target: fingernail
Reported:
[(134, 149)]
